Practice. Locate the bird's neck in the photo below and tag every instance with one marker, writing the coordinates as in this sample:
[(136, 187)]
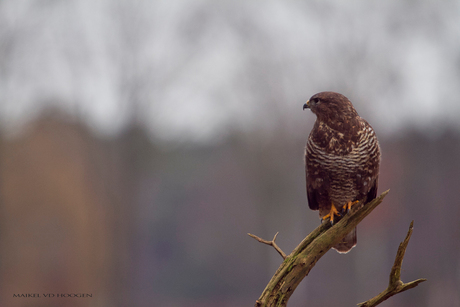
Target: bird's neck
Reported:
[(329, 136), (341, 124)]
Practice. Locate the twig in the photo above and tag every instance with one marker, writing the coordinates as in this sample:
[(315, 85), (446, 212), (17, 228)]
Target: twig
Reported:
[(395, 284), (272, 243)]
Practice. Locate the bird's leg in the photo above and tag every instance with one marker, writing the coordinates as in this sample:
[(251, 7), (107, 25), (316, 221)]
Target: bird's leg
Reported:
[(348, 205), (331, 213)]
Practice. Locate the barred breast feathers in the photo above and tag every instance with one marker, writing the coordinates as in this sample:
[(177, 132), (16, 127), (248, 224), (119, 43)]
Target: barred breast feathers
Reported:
[(336, 151)]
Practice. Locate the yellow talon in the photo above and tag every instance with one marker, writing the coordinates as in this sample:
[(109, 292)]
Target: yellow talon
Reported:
[(348, 205), (331, 213)]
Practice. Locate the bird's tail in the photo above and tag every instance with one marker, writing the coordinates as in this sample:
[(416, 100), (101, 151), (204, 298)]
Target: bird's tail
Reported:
[(347, 243)]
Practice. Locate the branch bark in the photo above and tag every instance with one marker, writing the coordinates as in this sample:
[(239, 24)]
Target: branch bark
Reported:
[(298, 264)]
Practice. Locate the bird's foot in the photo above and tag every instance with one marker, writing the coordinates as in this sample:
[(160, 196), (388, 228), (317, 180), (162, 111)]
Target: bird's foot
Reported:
[(332, 213), (348, 205)]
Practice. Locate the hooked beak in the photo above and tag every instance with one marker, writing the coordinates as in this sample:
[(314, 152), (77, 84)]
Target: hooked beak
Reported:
[(306, 105)]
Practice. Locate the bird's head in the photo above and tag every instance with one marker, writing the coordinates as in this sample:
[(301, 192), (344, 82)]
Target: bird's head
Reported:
[(331, 108)]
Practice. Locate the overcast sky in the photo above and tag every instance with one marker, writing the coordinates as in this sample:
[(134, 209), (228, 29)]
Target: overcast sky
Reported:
[(197, 69)]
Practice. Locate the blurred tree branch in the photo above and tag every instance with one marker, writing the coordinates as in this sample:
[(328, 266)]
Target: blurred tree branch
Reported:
[(395, 285), (303, 258)]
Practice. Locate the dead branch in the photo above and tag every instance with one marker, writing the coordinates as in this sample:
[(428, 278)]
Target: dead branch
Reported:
[(298, 264), (272, 243), (395, 284)]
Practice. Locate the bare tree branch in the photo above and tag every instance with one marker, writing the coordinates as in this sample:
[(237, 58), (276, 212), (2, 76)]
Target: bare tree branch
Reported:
[(272, 243), (395, 285), (298, 264)]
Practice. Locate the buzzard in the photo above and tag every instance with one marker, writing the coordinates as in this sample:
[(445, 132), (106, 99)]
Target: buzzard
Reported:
[(342, 158)]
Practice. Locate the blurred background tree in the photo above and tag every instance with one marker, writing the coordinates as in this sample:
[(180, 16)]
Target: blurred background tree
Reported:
[(141, 141)]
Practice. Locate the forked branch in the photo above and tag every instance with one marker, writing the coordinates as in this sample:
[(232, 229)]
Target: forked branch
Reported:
[(395, 285), (271, 243)]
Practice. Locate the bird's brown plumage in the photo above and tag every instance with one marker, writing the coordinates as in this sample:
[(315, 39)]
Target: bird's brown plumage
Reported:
[(342, 158)]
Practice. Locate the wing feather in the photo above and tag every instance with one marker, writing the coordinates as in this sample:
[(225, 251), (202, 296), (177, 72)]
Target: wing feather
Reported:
[(312, 196)]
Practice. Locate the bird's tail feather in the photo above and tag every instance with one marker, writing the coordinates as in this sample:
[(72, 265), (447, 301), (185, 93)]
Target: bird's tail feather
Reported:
[(347, 243)]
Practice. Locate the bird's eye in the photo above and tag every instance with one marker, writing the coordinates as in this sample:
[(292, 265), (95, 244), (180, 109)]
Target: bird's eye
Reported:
[(316, 100)]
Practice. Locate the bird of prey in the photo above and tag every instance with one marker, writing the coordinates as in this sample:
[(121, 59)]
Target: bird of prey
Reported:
[(342, 158)]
